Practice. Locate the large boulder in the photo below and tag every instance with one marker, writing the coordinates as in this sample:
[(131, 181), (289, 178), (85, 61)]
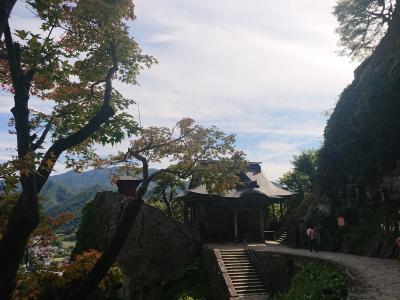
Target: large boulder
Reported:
[(156, 251)]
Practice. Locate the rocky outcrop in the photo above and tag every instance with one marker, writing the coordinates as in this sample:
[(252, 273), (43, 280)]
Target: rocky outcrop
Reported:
[(156, 251)]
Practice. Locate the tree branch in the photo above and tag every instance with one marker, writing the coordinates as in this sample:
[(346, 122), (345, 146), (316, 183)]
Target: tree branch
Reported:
[(93, 85), (12, 57), (110, 74), (151, 146), (40, 141), (106, 112), (145, 166)]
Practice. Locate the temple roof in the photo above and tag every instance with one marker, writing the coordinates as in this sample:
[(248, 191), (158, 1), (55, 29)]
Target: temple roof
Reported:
[(252, 181)]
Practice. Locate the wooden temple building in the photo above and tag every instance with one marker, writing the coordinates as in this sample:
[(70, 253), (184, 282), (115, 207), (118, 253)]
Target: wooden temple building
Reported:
[(240, 214)]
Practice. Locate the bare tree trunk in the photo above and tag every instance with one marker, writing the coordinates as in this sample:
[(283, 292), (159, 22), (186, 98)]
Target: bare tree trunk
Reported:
[(25, 215), (23, 220)]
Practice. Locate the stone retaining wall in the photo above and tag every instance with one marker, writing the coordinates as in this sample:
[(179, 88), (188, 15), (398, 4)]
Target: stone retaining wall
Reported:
[(280, 269), (221, 286)]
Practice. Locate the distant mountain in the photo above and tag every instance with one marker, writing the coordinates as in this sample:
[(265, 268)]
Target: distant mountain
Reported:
[(75, 181), (70, 191)]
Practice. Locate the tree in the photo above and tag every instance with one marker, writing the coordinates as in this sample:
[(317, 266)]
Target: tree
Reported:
[(167, 188), (71, 65), (303, 177), (192, 149), (362, 24), (6, 7)]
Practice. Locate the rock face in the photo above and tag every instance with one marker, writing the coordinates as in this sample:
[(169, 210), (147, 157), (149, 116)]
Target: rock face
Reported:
[(156, 251)]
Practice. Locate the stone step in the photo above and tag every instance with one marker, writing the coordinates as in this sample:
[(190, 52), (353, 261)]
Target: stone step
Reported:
[(232, 250), (253, 295), (242, 271), (238, 263), (247, 278), (246, 270), (241, 267), (247, 290), (243, 275), (236, 260), (239, 274), (245, 285), (250, 289), (240, 282)]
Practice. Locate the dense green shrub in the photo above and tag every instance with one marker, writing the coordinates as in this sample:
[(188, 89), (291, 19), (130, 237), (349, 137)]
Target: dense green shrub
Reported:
[(316, 281), (193, 286)]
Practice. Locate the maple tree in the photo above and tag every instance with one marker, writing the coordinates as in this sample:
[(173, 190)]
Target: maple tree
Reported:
[(56, 280), (194, 151), (165, 193), (69, 64)]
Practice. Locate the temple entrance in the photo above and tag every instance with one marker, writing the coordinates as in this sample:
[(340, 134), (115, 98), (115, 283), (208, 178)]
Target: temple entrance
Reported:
[(218, 221), (243, 223)]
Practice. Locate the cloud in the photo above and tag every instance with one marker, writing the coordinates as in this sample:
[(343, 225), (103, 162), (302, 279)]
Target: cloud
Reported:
[(262, 69), (266, 70)]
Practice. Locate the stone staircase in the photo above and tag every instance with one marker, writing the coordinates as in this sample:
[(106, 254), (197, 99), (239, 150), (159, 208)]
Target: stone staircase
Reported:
[(243, 274), (281, 237)]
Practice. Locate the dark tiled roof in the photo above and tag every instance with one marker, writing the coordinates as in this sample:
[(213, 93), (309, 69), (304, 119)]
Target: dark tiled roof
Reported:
[(252, 181)]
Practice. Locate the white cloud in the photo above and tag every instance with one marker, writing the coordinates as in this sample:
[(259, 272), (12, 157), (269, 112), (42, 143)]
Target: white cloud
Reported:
[(254, 68), (262, 69)]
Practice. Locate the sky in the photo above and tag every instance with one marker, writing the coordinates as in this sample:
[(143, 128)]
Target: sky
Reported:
[(264, 70)]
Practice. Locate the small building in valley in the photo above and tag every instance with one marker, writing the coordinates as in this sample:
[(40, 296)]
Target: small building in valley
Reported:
[(241, 214)]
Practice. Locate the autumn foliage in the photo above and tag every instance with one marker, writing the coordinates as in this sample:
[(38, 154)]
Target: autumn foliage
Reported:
[(57, 280)]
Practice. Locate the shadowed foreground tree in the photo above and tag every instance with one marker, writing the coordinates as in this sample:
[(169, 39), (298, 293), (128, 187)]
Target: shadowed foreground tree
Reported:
[(191, 149), (70, 65), (6, 7)]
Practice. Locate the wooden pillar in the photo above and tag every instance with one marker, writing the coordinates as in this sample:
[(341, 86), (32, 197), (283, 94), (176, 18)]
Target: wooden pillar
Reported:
[(235, 221), (262, 212), (281, 209)]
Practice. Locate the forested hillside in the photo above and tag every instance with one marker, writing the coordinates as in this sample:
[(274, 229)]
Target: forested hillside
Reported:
[(69, 192)]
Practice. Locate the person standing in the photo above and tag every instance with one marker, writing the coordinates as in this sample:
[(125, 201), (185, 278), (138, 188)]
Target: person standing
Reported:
[(312, 242)]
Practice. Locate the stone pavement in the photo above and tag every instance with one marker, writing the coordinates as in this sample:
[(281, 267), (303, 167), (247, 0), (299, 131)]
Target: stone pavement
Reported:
[(370, 278)]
